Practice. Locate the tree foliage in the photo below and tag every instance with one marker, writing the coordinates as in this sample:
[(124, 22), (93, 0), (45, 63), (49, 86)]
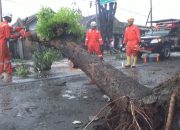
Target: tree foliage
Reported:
[(52, 24), (44, 58), (22, 70)]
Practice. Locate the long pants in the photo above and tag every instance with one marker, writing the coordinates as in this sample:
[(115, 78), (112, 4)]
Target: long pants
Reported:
[(5, 59), (95, 48), (131, 51)]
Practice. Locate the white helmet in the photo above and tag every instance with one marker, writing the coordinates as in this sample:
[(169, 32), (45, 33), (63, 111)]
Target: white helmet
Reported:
[(7, 15), (93, 24)]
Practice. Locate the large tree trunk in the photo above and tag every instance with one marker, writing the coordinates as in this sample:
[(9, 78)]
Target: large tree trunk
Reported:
[(112, 81), (116, 84), (141, 108)]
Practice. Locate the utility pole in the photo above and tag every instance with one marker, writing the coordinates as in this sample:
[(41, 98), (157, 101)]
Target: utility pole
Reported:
[(0, 11), (96, 6), (151, 11), (97, 22), (150, 15)]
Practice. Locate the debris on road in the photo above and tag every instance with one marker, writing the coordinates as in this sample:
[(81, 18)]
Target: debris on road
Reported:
[(76, 122)]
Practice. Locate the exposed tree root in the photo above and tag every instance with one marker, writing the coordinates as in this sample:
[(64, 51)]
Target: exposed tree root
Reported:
[(146, 117), (133, 115), (101, 110), (171, 111)]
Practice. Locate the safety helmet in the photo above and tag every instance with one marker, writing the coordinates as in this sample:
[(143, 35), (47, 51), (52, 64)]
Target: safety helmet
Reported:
[(130, 19), (7, 15), (93, 24)]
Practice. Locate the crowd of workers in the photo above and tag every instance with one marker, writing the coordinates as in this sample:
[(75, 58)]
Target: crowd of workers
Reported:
[(131, 41)]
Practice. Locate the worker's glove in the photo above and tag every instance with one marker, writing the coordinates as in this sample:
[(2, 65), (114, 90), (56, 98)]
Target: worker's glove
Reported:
[(123, 47)]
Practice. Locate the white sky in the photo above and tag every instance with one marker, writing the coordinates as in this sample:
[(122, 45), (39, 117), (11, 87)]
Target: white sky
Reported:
[(139, 9)]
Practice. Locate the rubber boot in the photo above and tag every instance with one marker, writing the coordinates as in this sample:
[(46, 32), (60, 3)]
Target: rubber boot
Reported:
[(134, 61), (128, 64)]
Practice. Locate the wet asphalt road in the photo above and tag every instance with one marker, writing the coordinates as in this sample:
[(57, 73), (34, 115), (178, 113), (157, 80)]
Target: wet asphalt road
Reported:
[(50, 104), (152, 73), (59, 97)]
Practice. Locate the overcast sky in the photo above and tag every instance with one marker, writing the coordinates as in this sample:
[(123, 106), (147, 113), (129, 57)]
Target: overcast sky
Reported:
[(139, 9)]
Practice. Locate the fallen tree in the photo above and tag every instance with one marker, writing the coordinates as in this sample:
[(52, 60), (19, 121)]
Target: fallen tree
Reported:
[(149, 106), (133, 106), (108, 78), (116, 84)]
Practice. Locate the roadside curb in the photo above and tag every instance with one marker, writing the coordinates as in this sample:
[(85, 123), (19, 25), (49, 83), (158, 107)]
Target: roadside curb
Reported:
[(65, 77)]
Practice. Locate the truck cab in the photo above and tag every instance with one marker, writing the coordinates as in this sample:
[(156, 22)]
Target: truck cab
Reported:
[(164, 38)]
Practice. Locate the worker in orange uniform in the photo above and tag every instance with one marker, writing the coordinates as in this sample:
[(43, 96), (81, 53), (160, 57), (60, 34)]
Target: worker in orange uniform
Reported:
[(5, 56), (94, 40), (131, 41)]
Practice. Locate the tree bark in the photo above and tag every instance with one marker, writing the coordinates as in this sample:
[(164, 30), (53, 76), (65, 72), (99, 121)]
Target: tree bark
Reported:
[(112, 81)]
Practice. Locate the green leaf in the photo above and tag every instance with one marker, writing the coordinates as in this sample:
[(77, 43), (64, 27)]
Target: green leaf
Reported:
[(49, 23)]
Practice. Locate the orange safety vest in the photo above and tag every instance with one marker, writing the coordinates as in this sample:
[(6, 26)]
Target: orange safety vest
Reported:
[(132, 36), (5, 56), (93, 36), (4, 32), (93, 41)]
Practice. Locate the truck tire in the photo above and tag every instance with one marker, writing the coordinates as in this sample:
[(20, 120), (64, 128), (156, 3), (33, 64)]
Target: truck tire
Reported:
[(166, 51)]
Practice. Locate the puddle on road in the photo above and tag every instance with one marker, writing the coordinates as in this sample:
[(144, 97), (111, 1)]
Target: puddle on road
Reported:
[(68, 96), (75, 90)]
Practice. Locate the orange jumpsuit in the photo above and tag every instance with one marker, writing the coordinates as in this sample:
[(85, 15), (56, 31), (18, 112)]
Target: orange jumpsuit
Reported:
[(93, 41), (18, 32), (5, 56), (132, 40)]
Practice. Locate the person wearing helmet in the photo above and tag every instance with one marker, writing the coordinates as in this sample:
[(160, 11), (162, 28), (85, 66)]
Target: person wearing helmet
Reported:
[(8, 17), (94, 40), (5, 56), (131, 41)]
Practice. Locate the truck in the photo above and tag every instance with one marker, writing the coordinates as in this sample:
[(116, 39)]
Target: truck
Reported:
[(163, 38)]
